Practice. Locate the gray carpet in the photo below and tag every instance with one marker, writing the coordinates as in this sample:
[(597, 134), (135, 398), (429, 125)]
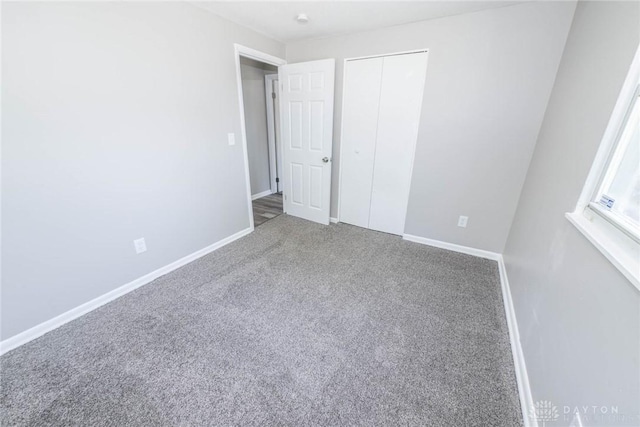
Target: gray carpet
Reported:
[(295, 324)]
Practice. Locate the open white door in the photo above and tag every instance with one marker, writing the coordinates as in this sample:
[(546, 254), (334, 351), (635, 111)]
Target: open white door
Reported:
[(306, 109)]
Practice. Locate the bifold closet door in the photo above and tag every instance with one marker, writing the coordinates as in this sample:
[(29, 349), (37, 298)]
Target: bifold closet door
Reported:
[(381, 113), (397, 132), (359, 126)]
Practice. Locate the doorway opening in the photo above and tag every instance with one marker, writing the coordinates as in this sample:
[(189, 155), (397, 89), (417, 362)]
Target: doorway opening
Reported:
[(259, 87), (306, 146)]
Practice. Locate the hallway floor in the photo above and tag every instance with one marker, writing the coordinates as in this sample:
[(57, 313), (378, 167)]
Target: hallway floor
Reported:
[(266, 208)]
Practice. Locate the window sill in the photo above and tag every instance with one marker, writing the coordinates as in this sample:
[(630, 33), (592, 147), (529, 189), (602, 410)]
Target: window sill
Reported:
[(619, 249)]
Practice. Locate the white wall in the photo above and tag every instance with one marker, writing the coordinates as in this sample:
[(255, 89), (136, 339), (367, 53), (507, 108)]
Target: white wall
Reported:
[(255, 116), (488, 81), (115, 121), (578, 317)]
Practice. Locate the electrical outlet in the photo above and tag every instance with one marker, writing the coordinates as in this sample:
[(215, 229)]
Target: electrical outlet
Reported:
[(140, 245), (462, 221), (231, 137)]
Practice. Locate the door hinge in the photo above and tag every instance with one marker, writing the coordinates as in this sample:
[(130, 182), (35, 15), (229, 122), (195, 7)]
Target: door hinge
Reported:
[(277, 179), (273, 95)]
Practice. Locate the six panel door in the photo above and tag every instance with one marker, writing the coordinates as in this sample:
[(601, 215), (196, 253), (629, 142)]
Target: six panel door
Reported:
[(306, 109)]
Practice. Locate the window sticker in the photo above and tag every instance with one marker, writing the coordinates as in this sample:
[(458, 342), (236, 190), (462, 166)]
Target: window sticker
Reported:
[(606, 201)]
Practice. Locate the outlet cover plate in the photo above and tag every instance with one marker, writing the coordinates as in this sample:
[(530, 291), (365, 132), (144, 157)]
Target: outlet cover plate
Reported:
[(140, 245)]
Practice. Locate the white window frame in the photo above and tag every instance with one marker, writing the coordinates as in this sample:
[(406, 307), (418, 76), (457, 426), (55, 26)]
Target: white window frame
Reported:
[(618, 243)]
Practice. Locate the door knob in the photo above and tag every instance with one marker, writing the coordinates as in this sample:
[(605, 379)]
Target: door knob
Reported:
[(325, 159)]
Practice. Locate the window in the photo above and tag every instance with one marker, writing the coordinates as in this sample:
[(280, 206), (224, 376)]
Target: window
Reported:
[(618, 197), (608, 211)]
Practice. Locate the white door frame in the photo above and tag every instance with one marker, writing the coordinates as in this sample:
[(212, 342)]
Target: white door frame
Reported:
[(275, 153), (247, 52), (344, 76)]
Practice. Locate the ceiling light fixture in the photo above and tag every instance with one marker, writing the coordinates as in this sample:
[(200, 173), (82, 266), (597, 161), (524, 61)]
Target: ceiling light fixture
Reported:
[(302, 18)]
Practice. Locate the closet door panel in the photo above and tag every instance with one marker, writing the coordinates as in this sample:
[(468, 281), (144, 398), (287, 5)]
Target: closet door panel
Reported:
[(360, 119), (398, 120)]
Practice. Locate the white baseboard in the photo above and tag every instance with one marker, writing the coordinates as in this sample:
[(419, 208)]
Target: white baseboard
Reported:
[(522, 377), (263, 194), (453, 247), (51, 324), (576, 421), (333, 220)]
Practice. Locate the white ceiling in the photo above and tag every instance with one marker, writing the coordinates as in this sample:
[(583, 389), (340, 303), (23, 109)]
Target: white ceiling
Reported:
[(276, 19)]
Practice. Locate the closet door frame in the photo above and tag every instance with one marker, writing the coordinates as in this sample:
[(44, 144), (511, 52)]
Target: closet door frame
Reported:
[(344, 77)]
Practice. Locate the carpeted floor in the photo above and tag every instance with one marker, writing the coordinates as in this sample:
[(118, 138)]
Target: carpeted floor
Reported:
[(295, 324)]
